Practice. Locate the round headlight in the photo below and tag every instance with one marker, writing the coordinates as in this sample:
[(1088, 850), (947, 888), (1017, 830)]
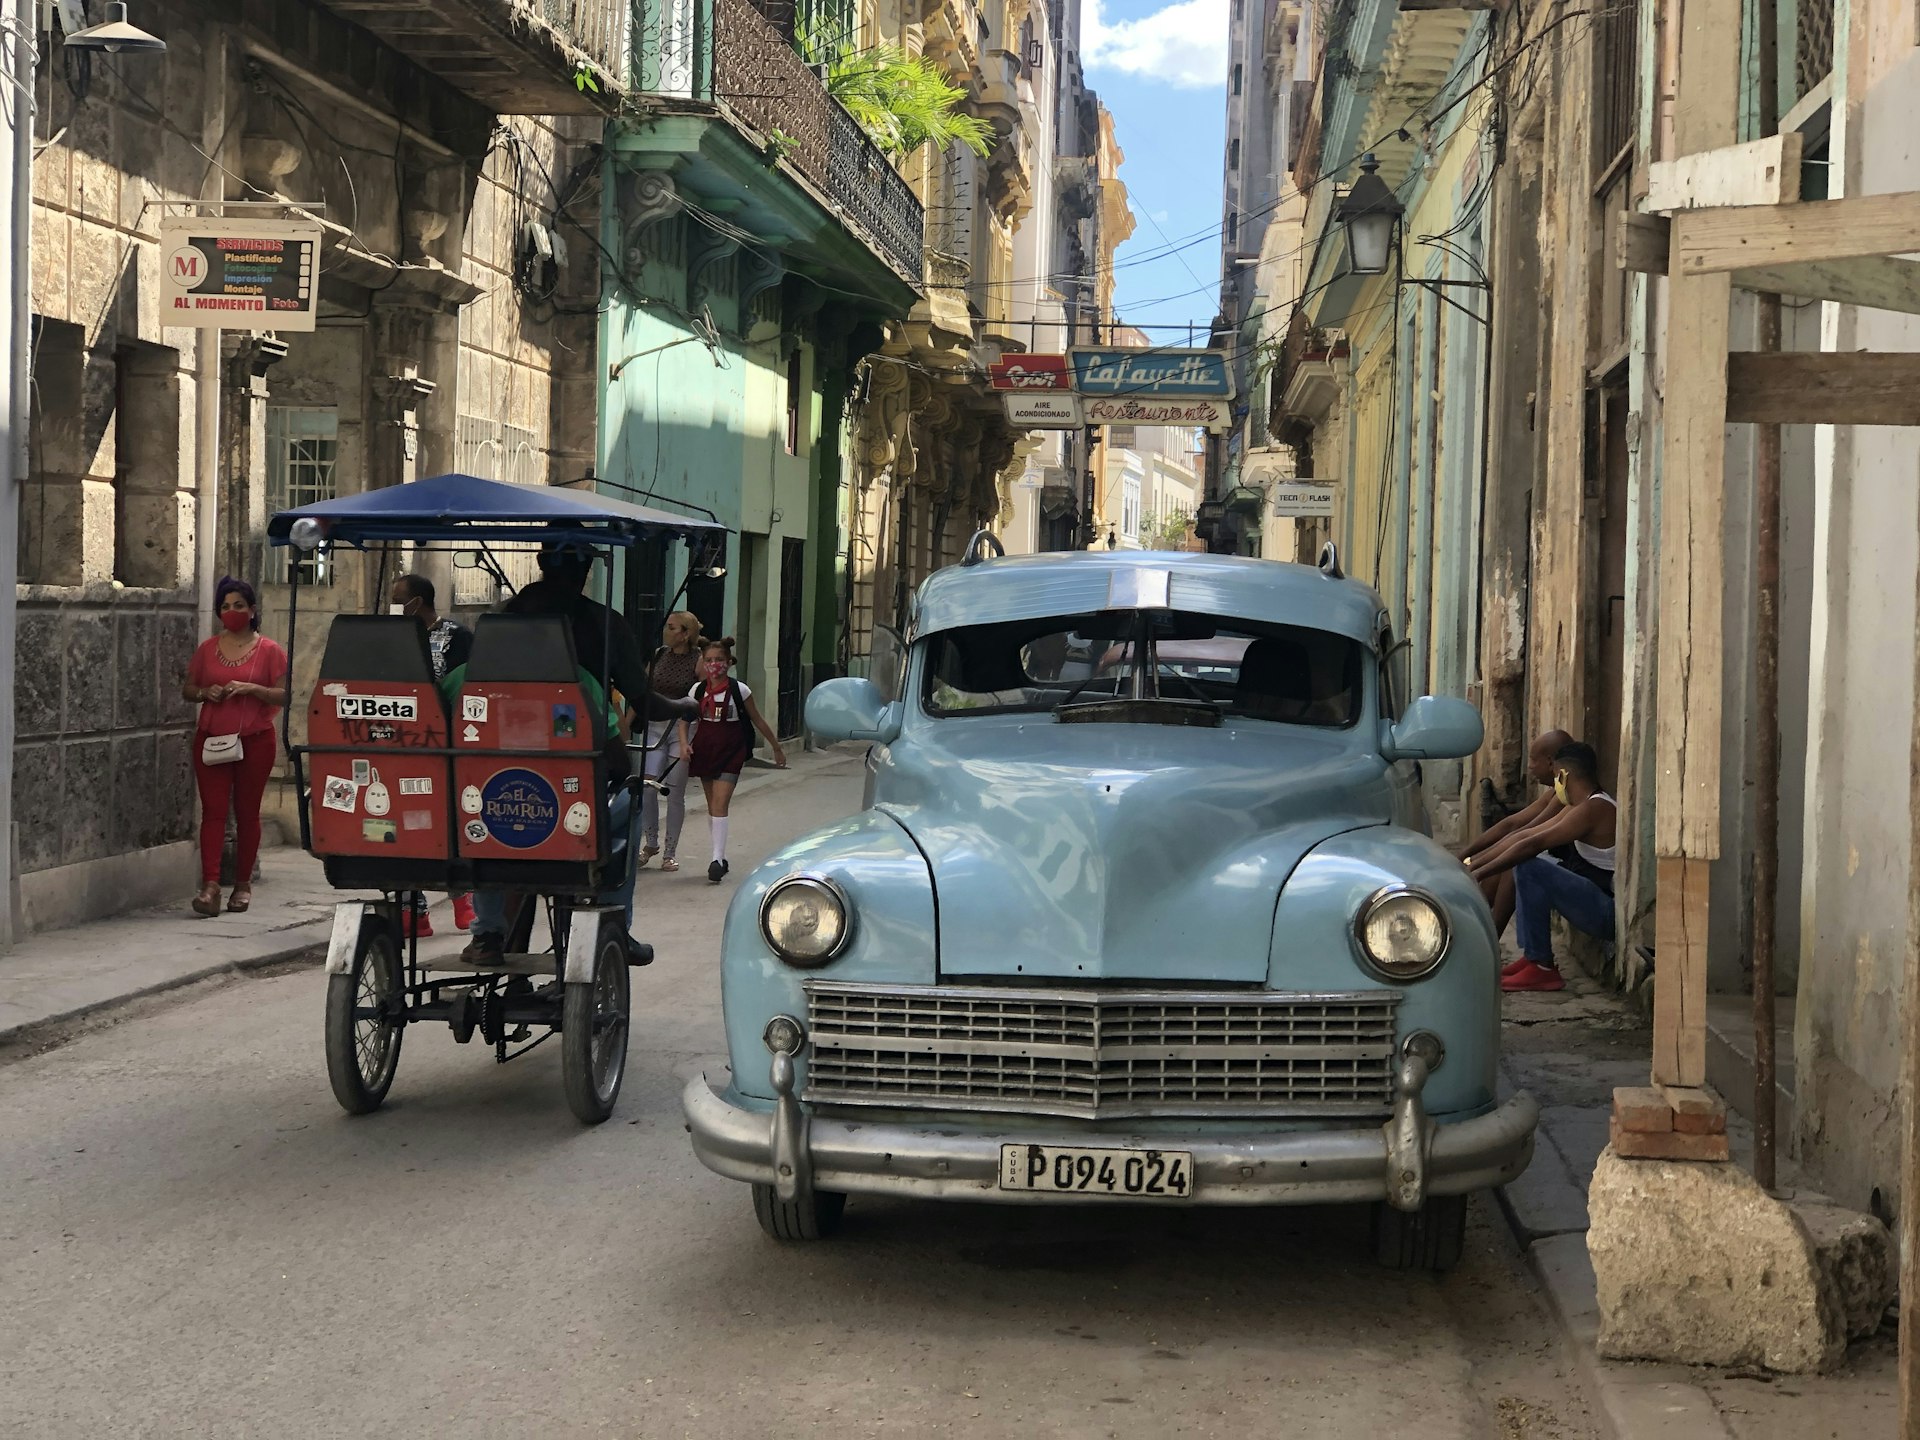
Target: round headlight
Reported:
[(1402, 933), (806, 920)]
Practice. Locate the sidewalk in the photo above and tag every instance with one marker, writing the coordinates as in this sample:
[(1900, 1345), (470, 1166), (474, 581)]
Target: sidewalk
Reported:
[(60, 976), (1570, 1050)]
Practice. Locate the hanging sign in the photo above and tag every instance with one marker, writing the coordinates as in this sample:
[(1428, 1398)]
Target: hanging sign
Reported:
[(1031, 372), (1044, 410), (1301, 501), (219, 274), (1152, 374), (1143, 410)]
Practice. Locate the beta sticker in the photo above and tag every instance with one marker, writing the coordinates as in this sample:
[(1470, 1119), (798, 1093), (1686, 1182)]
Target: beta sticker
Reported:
[(476, 831), (474, 707), (416, 785), (340, 794), (383, 831), (376, 707)]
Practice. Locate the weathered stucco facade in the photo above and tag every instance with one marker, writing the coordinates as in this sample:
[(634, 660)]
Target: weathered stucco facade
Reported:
[(443, 343)]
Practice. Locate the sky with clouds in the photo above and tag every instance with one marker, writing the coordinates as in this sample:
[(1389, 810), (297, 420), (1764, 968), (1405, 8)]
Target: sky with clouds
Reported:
[(1161, 69)]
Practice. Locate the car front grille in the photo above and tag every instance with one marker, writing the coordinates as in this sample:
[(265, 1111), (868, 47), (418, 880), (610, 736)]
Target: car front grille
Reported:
[(1093, 1054)]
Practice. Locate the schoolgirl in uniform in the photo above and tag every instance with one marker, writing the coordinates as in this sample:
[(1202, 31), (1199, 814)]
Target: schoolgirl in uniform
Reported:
[(722, 740)]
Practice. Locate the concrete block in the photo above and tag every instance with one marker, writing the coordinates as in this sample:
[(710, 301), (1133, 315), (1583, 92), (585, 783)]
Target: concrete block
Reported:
[(1667, 1145), (88, 647), (66, 531), (1696, 1264), (175, 639), (132, 817), (37, 804), (39, 672), (1642, 1108), (157, 547), (87, 785), (175, 799), (136, 701), (1856, 1256), (50, 260)]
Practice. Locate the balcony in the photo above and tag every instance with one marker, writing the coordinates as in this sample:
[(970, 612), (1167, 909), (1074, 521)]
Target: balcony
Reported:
[(724, 56), (518, 57)]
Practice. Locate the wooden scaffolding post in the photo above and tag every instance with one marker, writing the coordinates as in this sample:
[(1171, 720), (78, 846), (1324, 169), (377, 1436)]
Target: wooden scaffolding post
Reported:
[(1692, 565)]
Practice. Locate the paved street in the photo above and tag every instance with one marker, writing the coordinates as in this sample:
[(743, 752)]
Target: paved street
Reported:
[(195, 1240)]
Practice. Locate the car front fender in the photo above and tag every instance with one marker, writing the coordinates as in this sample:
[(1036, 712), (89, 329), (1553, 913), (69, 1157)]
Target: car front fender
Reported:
[(1314, 949), (889, 891)]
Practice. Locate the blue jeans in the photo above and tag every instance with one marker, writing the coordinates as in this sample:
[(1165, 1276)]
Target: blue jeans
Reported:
[(1541, 887), (490, 906)]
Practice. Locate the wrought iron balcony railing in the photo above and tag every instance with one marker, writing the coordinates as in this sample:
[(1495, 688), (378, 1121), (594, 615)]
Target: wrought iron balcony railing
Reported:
[(728, 53)]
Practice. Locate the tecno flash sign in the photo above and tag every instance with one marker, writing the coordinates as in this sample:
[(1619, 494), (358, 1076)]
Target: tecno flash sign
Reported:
[(376, 707)]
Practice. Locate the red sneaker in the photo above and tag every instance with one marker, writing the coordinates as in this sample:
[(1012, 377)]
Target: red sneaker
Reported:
[(1533, 977), (463, 912), (1514, 967), (416, 924)]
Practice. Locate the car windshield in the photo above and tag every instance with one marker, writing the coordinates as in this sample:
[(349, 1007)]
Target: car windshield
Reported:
[(1285, 673)]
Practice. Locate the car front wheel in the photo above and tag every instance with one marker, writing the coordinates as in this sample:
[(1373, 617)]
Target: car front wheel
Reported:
[(813, 1216), (1430, 1238)]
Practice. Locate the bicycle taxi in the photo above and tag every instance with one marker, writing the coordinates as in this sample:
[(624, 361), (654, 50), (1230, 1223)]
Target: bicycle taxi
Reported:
[(504, 784)]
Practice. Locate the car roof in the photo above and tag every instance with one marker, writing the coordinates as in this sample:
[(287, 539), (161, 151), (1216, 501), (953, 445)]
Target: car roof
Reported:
[(1080, 582)]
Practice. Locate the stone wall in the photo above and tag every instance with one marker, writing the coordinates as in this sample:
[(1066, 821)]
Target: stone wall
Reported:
[(102, 766)]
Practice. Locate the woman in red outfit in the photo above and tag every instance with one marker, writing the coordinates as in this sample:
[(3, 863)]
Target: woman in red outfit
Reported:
[(239, 680)]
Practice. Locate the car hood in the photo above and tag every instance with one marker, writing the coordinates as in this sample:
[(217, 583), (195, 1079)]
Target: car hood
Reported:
[(1124, 851)]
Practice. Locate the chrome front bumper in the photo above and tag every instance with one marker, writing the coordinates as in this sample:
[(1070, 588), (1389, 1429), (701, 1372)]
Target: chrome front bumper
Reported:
[(1402, 1162)]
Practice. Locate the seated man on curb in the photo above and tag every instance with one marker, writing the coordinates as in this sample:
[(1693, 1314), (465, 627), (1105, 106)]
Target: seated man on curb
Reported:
[(1498, 889), (1579, 887)]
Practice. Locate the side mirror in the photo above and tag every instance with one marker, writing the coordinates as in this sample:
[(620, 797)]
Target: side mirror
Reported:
[(854, 709), (466, 559), (1434, 727)]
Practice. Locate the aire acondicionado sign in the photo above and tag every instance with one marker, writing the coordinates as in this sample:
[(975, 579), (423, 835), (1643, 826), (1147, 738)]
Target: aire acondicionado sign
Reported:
[(240, 274)]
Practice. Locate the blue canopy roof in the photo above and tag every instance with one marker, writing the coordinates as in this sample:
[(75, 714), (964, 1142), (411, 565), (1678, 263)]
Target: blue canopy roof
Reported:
[(465, 507)]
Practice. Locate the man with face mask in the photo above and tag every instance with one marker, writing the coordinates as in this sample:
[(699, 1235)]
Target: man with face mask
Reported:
[(1579, 887), (449, 643)]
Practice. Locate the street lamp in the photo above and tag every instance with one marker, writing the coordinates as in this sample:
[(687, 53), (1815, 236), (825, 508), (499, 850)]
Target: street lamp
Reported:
[(1369, 212), (116, 35)]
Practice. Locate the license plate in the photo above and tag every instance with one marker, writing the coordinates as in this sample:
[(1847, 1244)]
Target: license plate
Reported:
[(1143, 1174)]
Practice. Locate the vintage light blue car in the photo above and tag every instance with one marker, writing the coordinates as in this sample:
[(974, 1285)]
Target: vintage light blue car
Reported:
[(1140, 909)]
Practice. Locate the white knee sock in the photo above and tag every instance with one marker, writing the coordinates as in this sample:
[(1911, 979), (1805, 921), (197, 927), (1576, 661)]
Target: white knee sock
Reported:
[(719, 837)]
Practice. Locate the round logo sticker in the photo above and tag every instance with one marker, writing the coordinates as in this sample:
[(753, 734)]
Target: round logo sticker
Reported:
[(476, 832), (519, 808)]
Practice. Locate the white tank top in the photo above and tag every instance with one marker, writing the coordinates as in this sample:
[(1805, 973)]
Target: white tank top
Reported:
[(1600, 857)]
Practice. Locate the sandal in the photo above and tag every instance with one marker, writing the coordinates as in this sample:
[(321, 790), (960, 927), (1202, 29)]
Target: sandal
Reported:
[(238, 901), (207, 902), (647, 853), (669, 864)]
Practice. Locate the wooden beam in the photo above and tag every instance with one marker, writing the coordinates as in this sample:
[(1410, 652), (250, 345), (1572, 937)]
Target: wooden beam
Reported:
[(1707, 242), (1823, 388), (1680, 973), (1645, 242), (1874, 282), (1761, 172), (1692, 570)]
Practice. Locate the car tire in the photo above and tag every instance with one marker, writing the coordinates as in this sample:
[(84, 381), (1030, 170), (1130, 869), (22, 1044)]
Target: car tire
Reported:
[(814, 1216), (1430, 1238)]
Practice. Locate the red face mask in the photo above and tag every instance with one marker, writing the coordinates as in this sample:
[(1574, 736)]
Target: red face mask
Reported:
[(716, 669), (235, 620)]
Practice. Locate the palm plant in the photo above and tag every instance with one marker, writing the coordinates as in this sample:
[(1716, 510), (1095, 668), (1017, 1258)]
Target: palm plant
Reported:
[(902, 101)]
